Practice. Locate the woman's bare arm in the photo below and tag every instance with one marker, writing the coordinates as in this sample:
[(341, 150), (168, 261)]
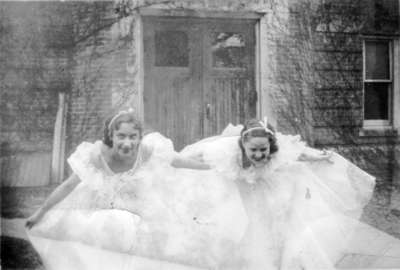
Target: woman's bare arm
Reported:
[(180, 161), (55, 197), (323, 156)]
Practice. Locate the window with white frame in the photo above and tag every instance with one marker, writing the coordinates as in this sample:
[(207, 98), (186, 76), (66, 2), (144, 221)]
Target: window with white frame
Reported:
[(378, 82)]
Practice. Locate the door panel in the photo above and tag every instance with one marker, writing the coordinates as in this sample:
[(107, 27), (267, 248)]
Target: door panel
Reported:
[(228, 73), (173, 87), (199, 76)]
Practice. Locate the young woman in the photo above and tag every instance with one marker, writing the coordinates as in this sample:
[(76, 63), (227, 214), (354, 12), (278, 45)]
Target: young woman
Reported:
[(132, 202), (302, 204)]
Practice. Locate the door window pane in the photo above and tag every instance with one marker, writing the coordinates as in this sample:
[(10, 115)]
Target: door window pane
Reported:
[(376, 101), (377, 60), (228, 50), (172, 49)]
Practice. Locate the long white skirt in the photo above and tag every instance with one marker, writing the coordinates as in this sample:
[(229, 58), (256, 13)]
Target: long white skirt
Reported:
[(67, 255)]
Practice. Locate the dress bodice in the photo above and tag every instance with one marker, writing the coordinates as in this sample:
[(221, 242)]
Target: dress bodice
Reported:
[(116, 190)]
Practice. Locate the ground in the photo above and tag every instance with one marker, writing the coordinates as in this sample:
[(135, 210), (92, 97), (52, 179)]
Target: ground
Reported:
[(19, 203), (379, 214)]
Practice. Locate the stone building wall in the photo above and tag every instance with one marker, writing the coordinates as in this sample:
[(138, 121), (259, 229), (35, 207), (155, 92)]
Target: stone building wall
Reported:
[(106, 64), (339, 28), (311, 63)]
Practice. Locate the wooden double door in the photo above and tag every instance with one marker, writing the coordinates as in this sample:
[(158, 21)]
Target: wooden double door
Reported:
[(198, 75)]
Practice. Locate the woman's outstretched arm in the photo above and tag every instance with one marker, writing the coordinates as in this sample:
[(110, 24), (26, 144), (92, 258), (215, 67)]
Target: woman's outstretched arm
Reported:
[(321, 156), (55, 197), (180, 161)]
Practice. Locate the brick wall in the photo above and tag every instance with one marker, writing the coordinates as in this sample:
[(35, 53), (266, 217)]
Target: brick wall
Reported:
[(104, 69), (34, 68)]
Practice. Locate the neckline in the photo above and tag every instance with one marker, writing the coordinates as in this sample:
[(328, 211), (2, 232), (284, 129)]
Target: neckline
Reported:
[(111, 172)]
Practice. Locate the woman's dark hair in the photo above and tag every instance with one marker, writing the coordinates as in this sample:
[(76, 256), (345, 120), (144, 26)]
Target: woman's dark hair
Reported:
[(259, 132), (115, 121)]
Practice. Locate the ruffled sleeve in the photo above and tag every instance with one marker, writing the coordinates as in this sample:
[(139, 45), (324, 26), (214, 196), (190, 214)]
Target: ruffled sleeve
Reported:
[(222, 153), (85, 163), (156, 147)]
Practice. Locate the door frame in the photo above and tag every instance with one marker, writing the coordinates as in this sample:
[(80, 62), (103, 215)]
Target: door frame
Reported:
[(260, 51)]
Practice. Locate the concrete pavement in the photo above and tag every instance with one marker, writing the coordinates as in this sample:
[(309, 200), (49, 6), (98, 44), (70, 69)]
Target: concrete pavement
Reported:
[(370, 248)]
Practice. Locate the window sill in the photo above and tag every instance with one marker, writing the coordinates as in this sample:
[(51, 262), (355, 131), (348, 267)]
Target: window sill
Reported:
[(378, 131)]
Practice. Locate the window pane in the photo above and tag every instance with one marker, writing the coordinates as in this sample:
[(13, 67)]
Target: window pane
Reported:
[(228, 50), (377, 65), (376, 101), (172, 48)]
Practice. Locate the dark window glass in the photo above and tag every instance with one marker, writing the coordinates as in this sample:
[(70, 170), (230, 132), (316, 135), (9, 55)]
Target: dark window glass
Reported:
[(376, 101), (228, 50), (377, 65), (172, 49)]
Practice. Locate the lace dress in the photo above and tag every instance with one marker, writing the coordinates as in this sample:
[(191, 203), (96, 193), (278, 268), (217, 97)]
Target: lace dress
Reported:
[(152, 216), (300, 214)]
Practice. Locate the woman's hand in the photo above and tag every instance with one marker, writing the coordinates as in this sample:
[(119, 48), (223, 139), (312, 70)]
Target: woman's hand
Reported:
[(327, 155), (324, 155), (55, 197), (34, 219)]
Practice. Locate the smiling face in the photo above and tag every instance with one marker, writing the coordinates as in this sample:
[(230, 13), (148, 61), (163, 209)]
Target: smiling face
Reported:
[(126, 140), (257, 150)]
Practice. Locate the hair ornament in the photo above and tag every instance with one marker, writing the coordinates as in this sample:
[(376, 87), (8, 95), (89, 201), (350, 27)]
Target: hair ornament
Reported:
[(264, 126), (120, 113)]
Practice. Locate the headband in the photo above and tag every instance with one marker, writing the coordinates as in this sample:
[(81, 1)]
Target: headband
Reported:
[(264, 126), (120, 113)]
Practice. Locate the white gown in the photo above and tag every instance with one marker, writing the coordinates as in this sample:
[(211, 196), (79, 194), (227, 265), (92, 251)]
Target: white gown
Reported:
[(151, 217), (287, 215), (301, 214)]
